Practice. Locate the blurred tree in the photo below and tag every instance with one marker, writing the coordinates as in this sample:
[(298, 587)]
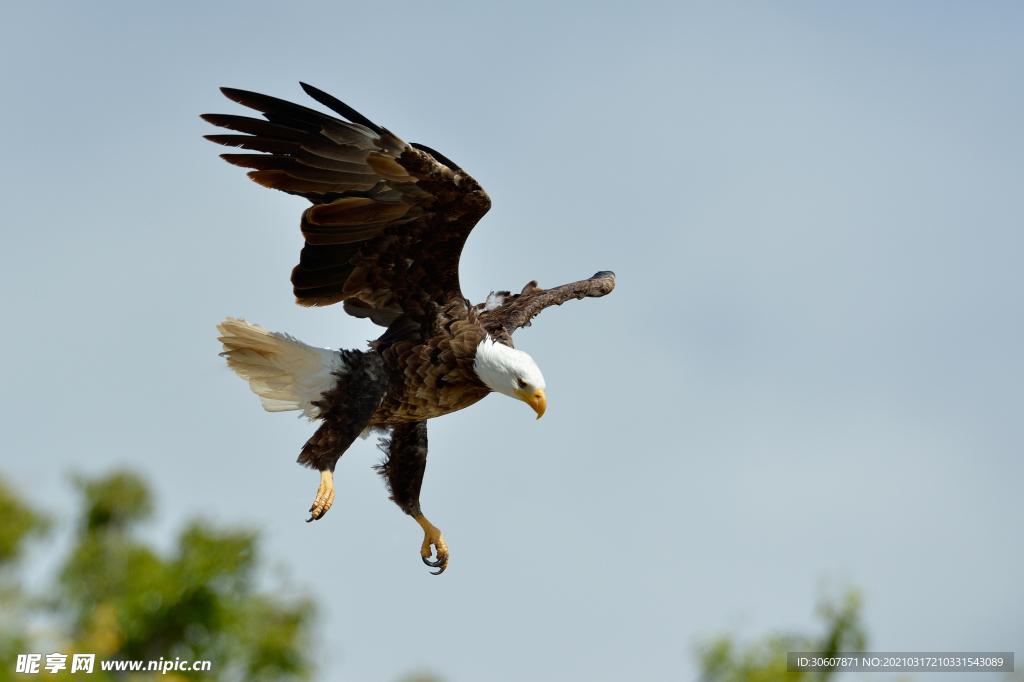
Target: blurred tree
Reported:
[(118, 599), (722, 660), (420, 677), (17, 523)]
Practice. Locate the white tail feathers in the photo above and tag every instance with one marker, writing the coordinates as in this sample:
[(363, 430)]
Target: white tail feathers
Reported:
[(284, 372)]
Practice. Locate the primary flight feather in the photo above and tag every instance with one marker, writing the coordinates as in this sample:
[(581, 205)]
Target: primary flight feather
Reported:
[(383, 235)]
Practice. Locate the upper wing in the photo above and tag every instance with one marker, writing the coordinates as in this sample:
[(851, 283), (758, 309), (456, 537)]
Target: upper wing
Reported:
[(503, 313), (389, 219)]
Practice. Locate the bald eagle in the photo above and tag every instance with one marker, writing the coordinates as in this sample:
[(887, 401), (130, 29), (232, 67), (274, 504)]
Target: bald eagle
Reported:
[(383, 236)]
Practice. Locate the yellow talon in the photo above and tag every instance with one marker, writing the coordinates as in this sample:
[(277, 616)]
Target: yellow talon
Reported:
[(324, 497), (432, 536)]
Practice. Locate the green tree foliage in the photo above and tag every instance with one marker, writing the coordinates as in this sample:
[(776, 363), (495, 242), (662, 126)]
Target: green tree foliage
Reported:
[(723, 660), (119, 599), (420, 677), (17, 524)]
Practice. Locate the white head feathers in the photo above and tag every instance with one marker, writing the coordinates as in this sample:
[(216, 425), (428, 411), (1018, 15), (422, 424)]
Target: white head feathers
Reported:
[(506, 370)]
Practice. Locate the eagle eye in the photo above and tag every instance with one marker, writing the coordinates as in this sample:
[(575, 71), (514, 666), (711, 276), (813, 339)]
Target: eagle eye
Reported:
[(522, 384)]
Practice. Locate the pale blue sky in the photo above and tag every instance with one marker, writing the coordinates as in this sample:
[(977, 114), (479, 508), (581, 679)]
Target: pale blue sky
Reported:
[(810, 370)]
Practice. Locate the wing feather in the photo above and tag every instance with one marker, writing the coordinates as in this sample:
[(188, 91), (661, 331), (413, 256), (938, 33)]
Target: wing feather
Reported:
[(502, 313), (388, 220), (254, 126), (257, 144)]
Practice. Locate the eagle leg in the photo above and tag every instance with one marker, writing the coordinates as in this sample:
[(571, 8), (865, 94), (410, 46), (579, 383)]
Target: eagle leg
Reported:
[(324, 497), (346, 409), (402, 469)]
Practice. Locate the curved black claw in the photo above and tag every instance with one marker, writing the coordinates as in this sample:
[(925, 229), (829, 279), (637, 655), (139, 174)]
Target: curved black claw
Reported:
[(312, 518), (442, 563)]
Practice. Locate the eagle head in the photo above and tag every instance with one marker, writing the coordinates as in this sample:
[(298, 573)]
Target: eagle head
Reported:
[(512, 372)]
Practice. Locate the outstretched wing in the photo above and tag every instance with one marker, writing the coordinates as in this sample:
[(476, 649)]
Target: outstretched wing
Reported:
[(388, 220), (504, 313)]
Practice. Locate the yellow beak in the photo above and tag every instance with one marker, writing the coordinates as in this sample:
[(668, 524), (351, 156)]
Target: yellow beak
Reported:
[(538, 402)]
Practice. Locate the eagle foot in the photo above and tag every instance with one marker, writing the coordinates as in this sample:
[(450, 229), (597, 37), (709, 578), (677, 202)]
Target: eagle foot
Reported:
[(432, 537), (324, 497)]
